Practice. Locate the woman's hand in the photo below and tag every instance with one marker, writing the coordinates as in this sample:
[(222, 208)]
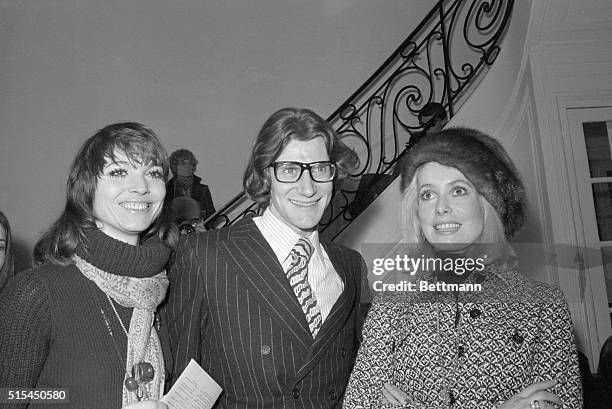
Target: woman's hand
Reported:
[(395, 396), (522, 400), (146, 404), (534, 392)]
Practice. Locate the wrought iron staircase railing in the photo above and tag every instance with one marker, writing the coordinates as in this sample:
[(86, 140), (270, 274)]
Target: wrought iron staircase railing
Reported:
[(442, 60)]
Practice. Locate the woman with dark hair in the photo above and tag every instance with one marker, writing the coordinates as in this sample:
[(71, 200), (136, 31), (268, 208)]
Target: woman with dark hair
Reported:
[(478, 334), (6, 253), (84, 318)]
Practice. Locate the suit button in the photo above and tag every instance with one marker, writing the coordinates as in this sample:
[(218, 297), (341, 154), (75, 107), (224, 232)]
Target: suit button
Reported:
[(460, 351), (296, 393), (333, 395), (343, 352), (265, 350), (475, 313)]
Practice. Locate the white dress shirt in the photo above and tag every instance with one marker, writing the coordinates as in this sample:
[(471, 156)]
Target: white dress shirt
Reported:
[(323, 279)]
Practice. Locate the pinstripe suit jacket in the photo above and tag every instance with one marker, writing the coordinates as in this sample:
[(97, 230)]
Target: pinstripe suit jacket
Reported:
[(231, 308)]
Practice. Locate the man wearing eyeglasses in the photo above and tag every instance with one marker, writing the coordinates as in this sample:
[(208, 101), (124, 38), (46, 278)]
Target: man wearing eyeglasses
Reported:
[(268, 308)]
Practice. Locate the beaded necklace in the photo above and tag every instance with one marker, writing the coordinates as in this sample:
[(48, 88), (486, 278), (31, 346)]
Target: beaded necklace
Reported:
[(142, 372)]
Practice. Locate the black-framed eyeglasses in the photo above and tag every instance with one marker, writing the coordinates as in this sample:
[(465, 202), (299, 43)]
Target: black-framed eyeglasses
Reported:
[(290, 172)]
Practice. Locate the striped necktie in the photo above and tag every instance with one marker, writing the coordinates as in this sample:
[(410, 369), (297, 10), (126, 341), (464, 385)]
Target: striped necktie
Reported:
[(297, 273)]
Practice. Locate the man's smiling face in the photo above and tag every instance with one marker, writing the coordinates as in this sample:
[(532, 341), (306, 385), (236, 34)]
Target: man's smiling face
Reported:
[(301, 204)]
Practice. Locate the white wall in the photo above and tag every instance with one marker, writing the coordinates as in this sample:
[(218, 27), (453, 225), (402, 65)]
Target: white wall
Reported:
[(203, 74)]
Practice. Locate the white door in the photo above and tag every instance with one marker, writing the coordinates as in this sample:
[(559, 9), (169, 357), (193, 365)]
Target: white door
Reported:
[(591, 140)]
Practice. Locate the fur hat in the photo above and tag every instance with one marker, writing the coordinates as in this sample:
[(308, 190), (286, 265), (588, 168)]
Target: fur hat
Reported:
[(483, 161)]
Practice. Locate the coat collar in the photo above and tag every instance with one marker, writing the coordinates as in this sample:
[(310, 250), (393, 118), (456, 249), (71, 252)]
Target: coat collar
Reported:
[(260, 272)]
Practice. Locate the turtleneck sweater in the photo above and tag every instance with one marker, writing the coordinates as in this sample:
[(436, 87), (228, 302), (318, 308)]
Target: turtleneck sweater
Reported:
[(53, 333)]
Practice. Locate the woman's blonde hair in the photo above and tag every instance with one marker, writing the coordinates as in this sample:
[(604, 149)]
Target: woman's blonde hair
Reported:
[(493, 234)]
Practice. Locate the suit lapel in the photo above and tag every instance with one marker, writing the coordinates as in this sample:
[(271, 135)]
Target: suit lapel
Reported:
[(253, 259), (339, 313)]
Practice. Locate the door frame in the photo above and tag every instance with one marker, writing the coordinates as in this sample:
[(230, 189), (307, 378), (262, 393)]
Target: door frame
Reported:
[(588, 298)]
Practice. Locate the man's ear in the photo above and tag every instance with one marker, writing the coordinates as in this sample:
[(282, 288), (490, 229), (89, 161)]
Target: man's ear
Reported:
[(268, 175)]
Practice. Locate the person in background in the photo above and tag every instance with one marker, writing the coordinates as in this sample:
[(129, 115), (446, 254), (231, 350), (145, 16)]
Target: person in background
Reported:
[(432, 118), (588, 381), (186, 215), (604, 370), (184, 183), (271, 310), (599, 393), (6, 253), (84, 318), (507, 344)]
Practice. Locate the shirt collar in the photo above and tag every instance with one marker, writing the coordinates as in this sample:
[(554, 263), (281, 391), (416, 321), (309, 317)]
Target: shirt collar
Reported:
[(280, 236)]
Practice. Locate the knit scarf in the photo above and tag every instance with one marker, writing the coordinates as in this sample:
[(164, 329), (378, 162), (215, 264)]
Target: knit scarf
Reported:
[(134, 277), (144, 295)]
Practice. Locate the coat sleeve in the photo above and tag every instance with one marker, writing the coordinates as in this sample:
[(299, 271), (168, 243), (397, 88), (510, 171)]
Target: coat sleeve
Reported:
[(555, 356), (184, 306), (374, 364), (209, 206), (25, 332)]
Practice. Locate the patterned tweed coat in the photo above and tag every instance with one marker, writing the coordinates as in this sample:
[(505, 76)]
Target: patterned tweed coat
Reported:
[(467, 350)]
